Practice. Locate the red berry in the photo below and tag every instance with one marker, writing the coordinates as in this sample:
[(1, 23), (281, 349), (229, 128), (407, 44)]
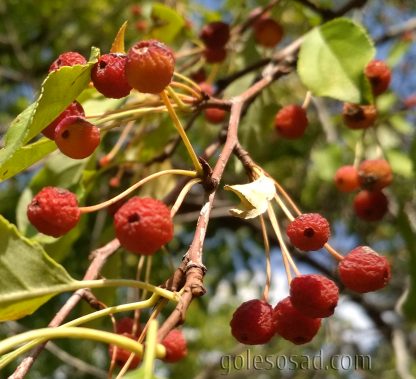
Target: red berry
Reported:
[(346, 179), (291, 121), (309, 231), (54, 211), (357, 116), (108, 76), (215, 34), (375, 174), (363, 270), (410, 102), (206, 88), (136, 10), (76, 137), (293, 325), (215, 55), (126, 325), (379, 75), (370, 205), (150, 66), (122, 355), (199, 76), (314, 295), (253, 323), (70, 58), (143, 225), (215, 115), (267, 32), (74, 109), (141, 25), (175, 344)]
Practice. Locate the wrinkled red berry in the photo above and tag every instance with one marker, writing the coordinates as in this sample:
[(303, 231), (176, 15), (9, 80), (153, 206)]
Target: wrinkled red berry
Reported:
[(291, 121), (122, 355), (309, 231), (175, 344), (375, 174), (70, 58), (108, 76), (76, 137), (215, 55), (346, 179), (357, 116), (370, 205), (379, 75), (293, 325), (215, 115), (74, 109), (253, 323), (150, 66), (314, 295), (363, 270), (54, 211), (215, 34), (267, 32), (143, 225)]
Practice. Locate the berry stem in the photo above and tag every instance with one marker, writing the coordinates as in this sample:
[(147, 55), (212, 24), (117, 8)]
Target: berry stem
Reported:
[(189, 52), (268, 264), (150, 351), (333, 252), (195, 94), (187, 187), (94, 208), (187, 80), (284, 208), (359, 149), (178, 100), (307, 101), (286, 197), (182, 133)]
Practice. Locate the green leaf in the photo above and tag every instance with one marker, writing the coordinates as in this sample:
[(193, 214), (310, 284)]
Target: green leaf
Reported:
[(332, 60), (168, 23), (24, 269)]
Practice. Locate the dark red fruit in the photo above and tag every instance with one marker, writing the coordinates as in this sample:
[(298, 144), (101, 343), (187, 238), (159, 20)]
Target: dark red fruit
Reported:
[(314, 295), (175, 345), (253, 323), (346, 179), (215, 34), (76, 137), (291, 121), (126, 325), (199, 76), (267, 32), (54, 211), (150, 66), (293, 325), (309, 231), (215, 115), (215, 55), (70, 58), (357, 116), (375, 174), (143, 225), (122, 355), (379, 75), (74, 109), (363, 270), (370, 205), (108, 76)]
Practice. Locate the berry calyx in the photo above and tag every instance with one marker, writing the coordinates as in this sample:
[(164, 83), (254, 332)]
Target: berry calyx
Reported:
[(293, 325), (379, 75), (108, 76), (309, 231), (150, 66), (69, 58), (375, 174), (74, 109), (267, 32), (143, 225), (253, 323), (122, 355), (346, 179), (357, 116), (314, 295), (76, 137), (175, 345), (215, 34), (215, 115), (363, 270), (370, 205), (291, 121), (215, 55), (54, 211)]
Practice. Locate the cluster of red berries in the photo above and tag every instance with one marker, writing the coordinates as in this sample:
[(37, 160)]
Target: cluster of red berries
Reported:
[(215, 36), (147, 67)]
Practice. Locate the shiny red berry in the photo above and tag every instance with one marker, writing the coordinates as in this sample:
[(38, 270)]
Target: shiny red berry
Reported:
[(175, 345), (70, 58), (314, 295), (76, 137), (150, 66), (293, 325), (54, 211), (291, 121), (122, 355), (375, 174), (108, 76), (363, 270), (267, 32), (370, 205), (346, 179), (143, 225), (309, 231), (253, 323), (215, 34), (379, 75), (215, 115), (357, 116)]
